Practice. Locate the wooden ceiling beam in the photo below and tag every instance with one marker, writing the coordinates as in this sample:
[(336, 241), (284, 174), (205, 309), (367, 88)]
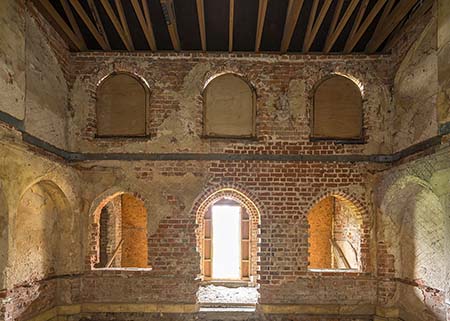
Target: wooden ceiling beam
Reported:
[(293, 12), (98, 22), (201, 22), (262, 9), (394, 18), (395, 36), (353, 41), (386, 11), (231, 26), (73, 22), (312, 17), (92, 28), (334, 21), (145, 22), (316, 26), (117, 24), (331, 39), (358, 19), (74, 39), (171, 21), (124, 22)]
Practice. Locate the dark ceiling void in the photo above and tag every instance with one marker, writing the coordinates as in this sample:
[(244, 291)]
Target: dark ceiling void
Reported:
[(276, 26)]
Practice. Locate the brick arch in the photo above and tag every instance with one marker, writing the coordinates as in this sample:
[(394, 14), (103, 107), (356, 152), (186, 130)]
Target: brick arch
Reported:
[(348, 198), (214, 194), (361, 213), (225, 69), (97, 205)]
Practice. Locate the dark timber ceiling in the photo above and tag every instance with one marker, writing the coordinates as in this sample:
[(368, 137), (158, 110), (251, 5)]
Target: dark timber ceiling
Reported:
[(296, 26)]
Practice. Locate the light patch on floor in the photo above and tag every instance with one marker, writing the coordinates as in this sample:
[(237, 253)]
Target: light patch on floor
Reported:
[(220, 295)]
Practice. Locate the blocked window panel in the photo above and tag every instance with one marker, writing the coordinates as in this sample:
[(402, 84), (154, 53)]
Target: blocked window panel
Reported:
[(121, 107), (337, 110), (229, 109)]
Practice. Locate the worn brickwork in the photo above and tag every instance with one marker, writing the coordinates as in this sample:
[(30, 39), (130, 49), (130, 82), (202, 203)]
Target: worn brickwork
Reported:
[(50, 210)]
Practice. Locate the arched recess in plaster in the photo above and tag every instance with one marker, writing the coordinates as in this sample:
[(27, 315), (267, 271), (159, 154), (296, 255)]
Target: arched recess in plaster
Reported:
[(128, 223), (4, 235), (211, 197), (411, 227), (337, 228), (45, 240)]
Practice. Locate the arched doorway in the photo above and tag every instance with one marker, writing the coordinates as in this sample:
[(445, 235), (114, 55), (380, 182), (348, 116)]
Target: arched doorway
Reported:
[(228, 244)]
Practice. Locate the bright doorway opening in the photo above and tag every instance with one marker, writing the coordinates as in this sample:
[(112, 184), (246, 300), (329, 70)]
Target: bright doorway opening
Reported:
[(226, 253)]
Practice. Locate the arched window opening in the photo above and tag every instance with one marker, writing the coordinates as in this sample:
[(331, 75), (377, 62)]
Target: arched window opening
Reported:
[(122, 233), (121, 107), (337, 110), (228, 243), (334, 235), (229, 108)]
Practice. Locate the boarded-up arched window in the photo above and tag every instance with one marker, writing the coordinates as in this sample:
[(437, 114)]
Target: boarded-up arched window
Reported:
[(121, 106), (337, 109), (229, 108)]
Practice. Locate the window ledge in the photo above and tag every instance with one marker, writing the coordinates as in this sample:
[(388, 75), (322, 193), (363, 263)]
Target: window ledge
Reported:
[(343, 141), (123, 138), (230, 283), (332, 272), (126, 269)]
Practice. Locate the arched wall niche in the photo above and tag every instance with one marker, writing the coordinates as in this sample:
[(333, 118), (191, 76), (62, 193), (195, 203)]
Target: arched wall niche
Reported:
[(4, 235), (338, 108), (43, 235), (337, 237), (118, 231), (213, 196), (412, 229), (229, 107), (122, 105)]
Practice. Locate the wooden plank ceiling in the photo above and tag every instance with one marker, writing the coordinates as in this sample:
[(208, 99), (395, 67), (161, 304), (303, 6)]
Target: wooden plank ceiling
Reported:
[(295, 26)]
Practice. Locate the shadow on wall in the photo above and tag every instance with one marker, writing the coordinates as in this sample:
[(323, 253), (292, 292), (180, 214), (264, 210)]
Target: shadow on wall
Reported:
[(412, 225)]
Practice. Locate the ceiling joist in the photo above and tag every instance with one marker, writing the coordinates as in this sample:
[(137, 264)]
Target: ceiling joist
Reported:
[(334, 35), (75, 39), (314, 24), (201, 22), (73, 23), (262, 9), (98, 22), (396, 34), (393, 19), (120, 27), (171, 21), (344, 26), (231, 26), (359, 28), (145, 22), (90, 25), (293, 11)]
